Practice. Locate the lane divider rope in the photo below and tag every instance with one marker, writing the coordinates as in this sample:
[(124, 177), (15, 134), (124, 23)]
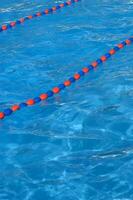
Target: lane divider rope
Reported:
[(67, 82), (12, 24)]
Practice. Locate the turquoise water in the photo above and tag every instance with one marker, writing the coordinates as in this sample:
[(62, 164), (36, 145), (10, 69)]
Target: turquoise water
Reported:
[(77, 145)]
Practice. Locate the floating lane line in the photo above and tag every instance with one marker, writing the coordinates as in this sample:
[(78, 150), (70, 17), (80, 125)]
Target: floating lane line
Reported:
[(85, 70), (12, 24)]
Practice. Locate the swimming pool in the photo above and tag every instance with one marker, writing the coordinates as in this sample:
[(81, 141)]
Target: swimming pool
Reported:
[(78, 144)]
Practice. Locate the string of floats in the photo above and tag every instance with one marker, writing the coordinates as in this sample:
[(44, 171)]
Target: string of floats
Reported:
[(85, 70), (12, 24)]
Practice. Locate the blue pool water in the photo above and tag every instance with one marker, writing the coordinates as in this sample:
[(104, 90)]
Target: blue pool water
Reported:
[(79, 144)]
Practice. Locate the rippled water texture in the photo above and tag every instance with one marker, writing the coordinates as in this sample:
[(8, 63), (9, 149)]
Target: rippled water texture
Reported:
[(79, 144)]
